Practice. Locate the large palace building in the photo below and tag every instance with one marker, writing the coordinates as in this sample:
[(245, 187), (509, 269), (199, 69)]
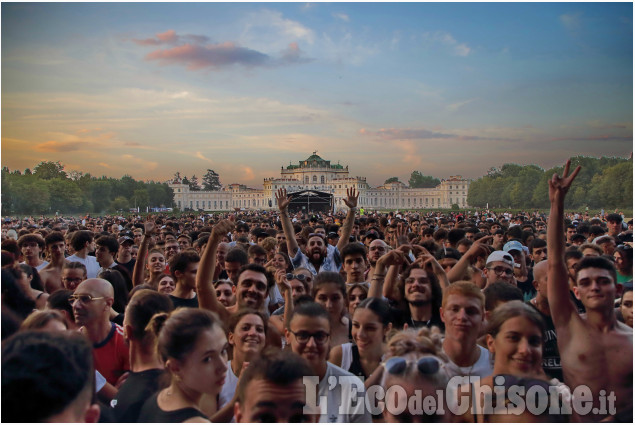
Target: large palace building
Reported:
[(317, 177)]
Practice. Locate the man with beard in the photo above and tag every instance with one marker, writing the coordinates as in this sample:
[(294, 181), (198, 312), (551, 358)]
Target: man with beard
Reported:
[(251, 281), (421, 293), (316, 258), (376, 250)]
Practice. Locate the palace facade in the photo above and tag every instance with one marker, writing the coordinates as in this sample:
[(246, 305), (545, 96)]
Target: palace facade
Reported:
[(315, 173)]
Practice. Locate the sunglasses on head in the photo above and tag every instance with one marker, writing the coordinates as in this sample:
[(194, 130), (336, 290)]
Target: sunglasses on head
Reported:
[(301, 277), (425, 365)]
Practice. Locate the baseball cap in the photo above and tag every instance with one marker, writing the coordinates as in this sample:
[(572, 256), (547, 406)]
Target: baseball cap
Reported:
[(500, 256), (513, 245), (123, 239)]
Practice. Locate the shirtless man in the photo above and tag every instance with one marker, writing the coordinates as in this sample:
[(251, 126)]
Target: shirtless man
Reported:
[(51, 275), (596, 350)]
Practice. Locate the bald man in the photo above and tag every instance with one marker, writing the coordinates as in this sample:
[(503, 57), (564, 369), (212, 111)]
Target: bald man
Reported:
[(376, 250), (91, 303)]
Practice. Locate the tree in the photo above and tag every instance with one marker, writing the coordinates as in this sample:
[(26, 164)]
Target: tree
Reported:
[(418, 180), (120, 203), (141, 198), (65, 195), (194, 183), (48, 170), (211, 181), (392, 180)]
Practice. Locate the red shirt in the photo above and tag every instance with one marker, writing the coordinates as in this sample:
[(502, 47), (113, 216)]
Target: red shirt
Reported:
[(112, 355)]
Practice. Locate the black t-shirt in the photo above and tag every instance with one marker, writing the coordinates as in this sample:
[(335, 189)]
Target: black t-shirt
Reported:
[(551, 363), (129, 265), (184, 302), (151, 412), (133, 393)]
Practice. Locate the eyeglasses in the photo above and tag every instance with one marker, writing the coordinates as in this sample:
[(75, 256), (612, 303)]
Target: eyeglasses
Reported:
[(73, 279), (84, 298), (303, 337), (301, 277), (425, 365), (501, 270)]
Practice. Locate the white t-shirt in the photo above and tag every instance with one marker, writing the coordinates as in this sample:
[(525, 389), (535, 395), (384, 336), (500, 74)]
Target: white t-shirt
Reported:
[(483, 366), (336, 390), (229, 387), (92, 266), (40, 267)]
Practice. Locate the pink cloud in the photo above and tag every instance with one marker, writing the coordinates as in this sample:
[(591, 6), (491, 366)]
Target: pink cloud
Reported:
[(170, 37), (210, 56), (193, 52), (53, 146)]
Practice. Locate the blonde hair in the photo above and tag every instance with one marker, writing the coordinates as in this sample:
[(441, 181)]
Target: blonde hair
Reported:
[(465, 288)]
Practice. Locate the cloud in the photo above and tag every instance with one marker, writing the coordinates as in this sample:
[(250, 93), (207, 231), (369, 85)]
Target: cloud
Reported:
[(343, 16), (601, 137), (199, 155), (572, 21), (211, 56), (170, 37), (393, 134), (143, 163), (248, 172), (446, 39), (54, 146), (196, 55), (293, 54), (454, 106)]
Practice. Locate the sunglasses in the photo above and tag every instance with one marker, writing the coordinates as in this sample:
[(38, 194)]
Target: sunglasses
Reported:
[(425, 365), (301, 277), (84, 298), (501, 270)]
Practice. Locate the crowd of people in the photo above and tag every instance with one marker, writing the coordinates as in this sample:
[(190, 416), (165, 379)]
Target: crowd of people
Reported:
[(280, 316)]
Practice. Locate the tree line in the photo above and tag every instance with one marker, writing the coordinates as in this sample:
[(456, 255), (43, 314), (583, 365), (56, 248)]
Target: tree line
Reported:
[(605, 182), (48, 189)]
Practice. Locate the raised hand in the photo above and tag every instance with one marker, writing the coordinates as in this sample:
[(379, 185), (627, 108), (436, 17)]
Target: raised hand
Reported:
[(401, 234), (149, 226), (392, 258), (559, 186), (477, 246), (222, 228), (429, 259), (351, 198), (281, 280), (282, 199)]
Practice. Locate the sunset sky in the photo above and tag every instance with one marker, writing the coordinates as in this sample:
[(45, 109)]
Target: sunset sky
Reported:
[(148, 89)]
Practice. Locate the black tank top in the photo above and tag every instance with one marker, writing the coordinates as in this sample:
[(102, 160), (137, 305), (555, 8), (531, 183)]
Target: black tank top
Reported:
[(151, 412)]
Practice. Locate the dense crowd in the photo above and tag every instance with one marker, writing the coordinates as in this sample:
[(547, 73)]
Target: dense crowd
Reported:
[(268, 316)]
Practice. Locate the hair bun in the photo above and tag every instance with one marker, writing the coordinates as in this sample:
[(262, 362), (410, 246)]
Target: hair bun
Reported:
[(156, 323)]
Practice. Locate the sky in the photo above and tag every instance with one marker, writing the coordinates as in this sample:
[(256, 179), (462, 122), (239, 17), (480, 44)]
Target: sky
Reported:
[(149, 89)]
